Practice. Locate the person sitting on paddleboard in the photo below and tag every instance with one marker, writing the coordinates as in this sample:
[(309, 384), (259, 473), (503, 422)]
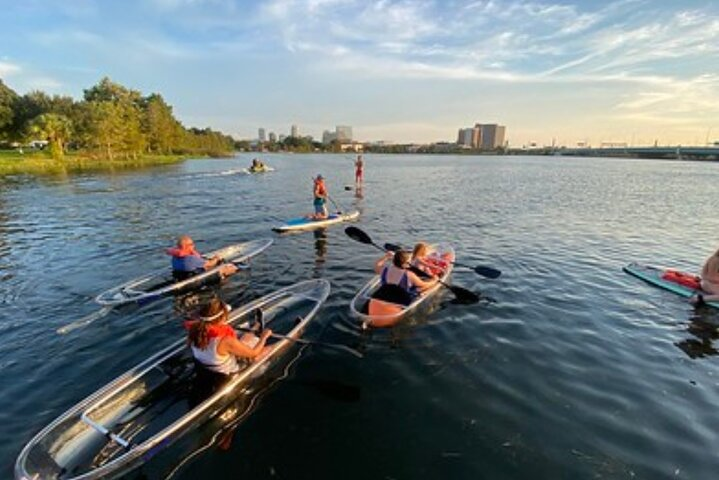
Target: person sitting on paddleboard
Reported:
[(398, 284), (214, 343), (187, 262), (709, 281), (320, 198)]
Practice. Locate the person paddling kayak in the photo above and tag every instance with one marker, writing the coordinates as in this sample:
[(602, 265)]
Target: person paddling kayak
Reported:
[(186, 261), (214, 343), (709, 281), (398, 284), (320, 198)]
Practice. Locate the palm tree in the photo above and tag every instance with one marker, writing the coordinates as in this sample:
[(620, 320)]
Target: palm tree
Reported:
[(55, 129)]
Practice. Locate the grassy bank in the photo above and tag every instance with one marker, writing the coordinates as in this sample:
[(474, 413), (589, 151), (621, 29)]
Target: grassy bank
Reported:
[(13, 162)]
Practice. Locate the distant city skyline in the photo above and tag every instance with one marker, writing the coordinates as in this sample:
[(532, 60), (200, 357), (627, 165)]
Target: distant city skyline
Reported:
[(625, 71)]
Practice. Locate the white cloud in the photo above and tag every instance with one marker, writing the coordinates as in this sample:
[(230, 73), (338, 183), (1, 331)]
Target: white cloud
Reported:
[(8, 69), (43, 83)]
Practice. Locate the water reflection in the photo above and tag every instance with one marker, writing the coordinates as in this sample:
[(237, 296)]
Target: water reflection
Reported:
[(704, 328), (320, 247)]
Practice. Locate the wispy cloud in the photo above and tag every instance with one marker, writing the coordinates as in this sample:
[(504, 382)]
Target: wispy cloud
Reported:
[(44, 83), (7, 69)]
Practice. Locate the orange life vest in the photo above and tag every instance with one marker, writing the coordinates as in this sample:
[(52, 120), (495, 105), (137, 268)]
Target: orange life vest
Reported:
[(213, 330), (685, 279), (320, 188)]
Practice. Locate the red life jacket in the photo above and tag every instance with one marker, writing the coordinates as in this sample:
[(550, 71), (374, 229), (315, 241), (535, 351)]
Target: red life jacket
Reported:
[(213, 330), (320, 189), (685, 279)]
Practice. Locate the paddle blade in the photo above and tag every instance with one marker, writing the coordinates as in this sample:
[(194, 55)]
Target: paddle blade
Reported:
[(392, 247), (359, 235), (488, 272), (462, 295)]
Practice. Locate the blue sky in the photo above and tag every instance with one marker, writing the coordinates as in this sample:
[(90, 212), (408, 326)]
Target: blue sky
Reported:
[(415, 70)]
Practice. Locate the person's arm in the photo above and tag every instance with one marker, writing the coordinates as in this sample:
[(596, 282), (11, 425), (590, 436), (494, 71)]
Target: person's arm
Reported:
[(233, 346), (379, 264), (419, 283), (212, 262)]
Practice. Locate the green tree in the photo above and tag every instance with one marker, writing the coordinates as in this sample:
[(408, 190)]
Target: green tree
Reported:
[(55, 129), (8, 97), (160, 126)]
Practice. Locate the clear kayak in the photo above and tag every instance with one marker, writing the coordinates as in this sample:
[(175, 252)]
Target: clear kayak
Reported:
[(395, 312), (143, 411), (304, 223), (158, 284), (681, 283)]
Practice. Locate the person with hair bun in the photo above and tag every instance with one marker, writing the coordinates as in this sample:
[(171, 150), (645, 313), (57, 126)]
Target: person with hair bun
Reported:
[(214, 343), (399, 285)]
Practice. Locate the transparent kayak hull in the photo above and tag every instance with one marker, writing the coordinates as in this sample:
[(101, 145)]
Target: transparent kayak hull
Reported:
[(358, 306), (140, 413), (161, 283)]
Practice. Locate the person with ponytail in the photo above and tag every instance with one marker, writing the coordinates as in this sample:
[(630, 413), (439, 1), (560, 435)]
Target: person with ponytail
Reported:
[(214, 343)]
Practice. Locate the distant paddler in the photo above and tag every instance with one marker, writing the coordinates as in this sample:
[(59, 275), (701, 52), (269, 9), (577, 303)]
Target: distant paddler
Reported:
[(257, 165), (320, 195), (359, 171), (709, 281), (186, 261), (215, 344)]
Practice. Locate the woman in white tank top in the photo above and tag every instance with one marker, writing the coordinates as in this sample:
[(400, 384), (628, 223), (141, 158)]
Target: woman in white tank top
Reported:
[(214, 343)]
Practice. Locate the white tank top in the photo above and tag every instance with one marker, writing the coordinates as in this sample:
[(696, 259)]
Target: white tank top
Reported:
[(209, 357)]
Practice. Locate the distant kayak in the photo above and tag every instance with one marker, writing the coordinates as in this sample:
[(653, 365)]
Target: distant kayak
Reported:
[(392, 313), (303, 223), (681, 283), (158, 284)]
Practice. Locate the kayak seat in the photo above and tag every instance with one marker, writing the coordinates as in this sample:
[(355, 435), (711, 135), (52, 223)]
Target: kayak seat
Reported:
[(205, 383), (181, 275), (381, 308)]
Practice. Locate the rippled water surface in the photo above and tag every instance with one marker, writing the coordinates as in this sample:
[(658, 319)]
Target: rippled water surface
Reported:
[(576, 371)]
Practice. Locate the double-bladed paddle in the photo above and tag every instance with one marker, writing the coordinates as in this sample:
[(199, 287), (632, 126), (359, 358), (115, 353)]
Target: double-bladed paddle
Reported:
[(485, 271), (462, 295)]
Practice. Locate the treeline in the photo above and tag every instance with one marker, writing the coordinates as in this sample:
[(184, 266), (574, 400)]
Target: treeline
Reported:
[(110, 122)]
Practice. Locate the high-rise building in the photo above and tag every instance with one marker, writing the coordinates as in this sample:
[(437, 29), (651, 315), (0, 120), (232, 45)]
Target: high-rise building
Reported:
[(343, 133), (261, 135), (492, 136), (273, 137), (482, 136), (327, 137), (294, 131), (464, 138)]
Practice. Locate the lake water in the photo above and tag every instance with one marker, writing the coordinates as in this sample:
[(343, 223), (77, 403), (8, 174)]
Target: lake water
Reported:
[(577, 370)]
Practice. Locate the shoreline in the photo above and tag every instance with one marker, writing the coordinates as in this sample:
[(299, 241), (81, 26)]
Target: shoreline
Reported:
[(40, 163)]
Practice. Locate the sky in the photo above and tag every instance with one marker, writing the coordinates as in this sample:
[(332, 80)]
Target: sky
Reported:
[(626, 71)]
